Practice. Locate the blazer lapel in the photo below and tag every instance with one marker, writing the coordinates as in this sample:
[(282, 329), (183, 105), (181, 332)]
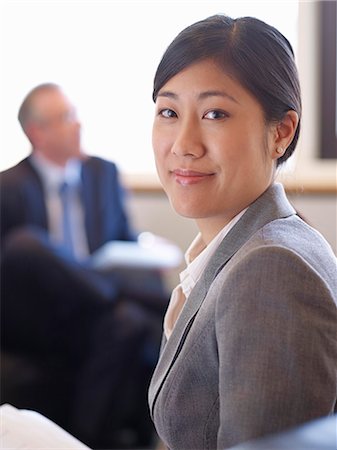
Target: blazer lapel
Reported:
[(271, 205), (91, 203), (33, 189)]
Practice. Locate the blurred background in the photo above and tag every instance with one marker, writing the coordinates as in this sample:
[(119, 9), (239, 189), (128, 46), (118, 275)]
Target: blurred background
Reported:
[(104, 53)]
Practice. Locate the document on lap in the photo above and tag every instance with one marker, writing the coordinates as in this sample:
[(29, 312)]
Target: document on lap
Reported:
[(149, 251), (25, 429)]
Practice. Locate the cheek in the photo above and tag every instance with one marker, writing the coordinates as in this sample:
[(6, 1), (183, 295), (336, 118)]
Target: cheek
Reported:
[(158, 157), (161, 145)]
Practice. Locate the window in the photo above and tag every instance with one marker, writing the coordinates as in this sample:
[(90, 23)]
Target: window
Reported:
[(104, 53)]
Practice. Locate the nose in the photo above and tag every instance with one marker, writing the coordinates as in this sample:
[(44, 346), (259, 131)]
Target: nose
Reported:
[(188, 140)]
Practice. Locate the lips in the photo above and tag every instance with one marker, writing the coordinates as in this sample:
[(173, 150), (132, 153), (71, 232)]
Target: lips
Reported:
[(187, 177)]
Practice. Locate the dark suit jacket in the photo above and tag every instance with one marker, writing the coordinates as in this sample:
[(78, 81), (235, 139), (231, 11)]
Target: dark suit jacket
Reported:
[(254, 350), (22, 201), (78, 345)]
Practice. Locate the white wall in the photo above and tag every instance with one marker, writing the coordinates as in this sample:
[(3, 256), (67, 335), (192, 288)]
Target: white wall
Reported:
[(152, 212), (321, 212)]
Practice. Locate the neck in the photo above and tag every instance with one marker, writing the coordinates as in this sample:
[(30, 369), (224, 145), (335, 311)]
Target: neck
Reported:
[(210, 228), (55, 159)]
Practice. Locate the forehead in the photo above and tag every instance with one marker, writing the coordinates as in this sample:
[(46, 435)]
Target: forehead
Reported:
[(51, 102), (203, 75), (207, 79)]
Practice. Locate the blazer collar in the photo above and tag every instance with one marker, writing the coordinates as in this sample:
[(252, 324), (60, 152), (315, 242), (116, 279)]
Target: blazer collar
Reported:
[(92, 199), (271, 205), (32, 186)]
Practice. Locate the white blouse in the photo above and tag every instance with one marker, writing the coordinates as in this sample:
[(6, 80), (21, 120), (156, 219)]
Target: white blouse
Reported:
[(197, 257)]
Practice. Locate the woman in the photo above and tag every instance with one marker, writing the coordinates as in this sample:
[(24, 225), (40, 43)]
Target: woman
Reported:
[(249, 345)]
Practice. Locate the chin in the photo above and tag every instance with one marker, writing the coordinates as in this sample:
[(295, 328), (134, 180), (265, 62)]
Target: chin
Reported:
[(187, 210)]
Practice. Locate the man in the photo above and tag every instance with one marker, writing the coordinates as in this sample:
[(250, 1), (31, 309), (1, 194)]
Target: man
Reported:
[(94, 334)]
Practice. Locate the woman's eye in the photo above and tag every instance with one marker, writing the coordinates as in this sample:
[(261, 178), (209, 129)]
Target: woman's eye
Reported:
[(168, 113), (216, 114)]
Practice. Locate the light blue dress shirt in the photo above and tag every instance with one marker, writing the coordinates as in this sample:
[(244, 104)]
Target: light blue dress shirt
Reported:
[(53, 177)]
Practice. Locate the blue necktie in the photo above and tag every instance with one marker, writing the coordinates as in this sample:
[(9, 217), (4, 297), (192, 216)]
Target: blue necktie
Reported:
[(67, 229)]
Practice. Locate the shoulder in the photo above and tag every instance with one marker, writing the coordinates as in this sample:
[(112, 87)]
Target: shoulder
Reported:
[(293, 240), (286, 258), (295, 233), (97, 163), (303, 245), (102, 172), (18, 173)]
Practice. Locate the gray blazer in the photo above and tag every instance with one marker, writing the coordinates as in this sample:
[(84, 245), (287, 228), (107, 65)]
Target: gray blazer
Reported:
[(254, 350)]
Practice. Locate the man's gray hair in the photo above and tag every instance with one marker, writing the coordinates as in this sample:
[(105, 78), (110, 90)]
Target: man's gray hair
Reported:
[(26, 111)]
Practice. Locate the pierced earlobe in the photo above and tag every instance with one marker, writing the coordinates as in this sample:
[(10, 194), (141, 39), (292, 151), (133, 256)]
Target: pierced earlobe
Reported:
[(285, 132)]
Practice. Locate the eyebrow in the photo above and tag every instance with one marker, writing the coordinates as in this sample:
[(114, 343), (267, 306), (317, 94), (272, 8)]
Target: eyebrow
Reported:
[(201, 96), (217, 94)]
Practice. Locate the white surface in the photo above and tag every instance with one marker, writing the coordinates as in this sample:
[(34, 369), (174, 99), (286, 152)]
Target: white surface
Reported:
[(150, 252), (25, 429)]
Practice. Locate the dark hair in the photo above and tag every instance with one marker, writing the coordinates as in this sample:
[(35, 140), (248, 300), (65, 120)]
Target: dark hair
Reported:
[(255, 53)]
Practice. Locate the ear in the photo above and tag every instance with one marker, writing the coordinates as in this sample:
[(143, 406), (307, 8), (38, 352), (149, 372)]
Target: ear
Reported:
[(33, 133), (284, 133)]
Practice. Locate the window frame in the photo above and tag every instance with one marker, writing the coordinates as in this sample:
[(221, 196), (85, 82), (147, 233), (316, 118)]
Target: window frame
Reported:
[(328, 98)]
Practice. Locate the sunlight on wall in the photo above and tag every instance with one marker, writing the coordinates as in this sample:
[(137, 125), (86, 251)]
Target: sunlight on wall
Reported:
[(104, 53)]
